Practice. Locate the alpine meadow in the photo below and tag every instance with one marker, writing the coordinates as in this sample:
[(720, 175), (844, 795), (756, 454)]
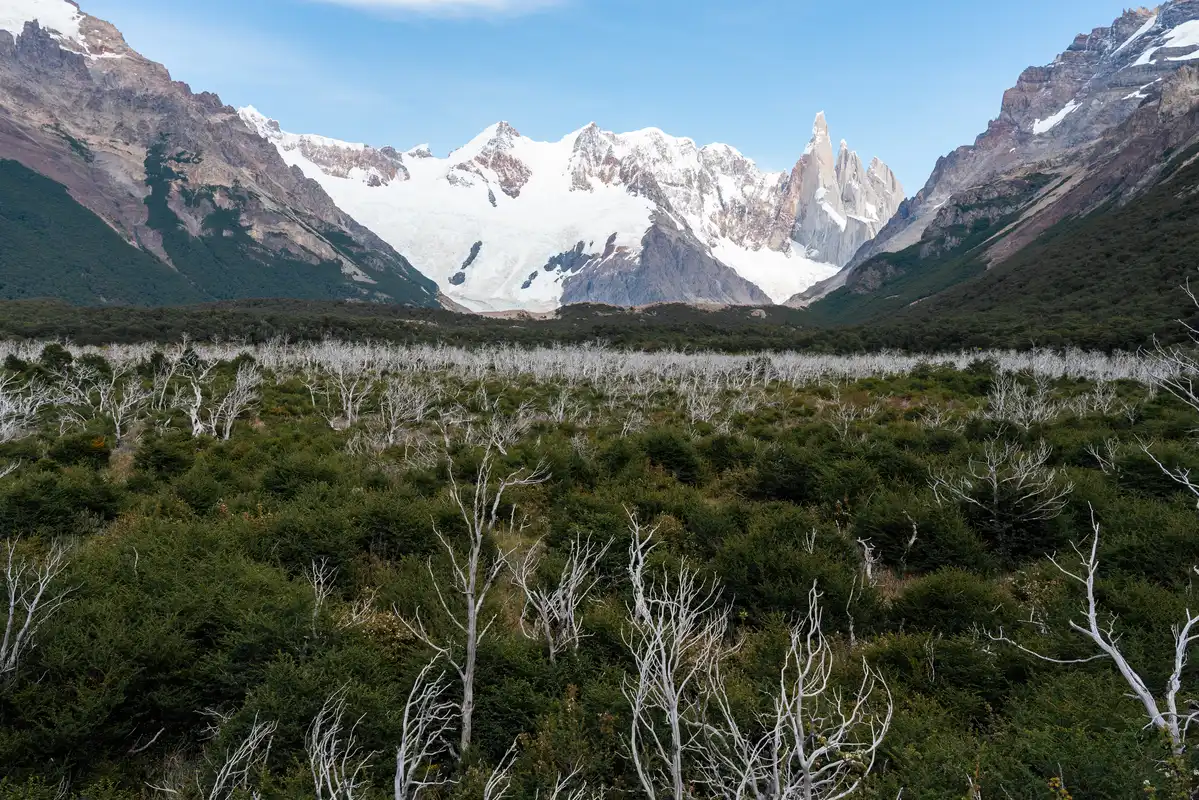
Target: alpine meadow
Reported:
[(585, 464)]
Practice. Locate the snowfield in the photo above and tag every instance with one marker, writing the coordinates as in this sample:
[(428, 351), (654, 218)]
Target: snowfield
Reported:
[(58, 16)]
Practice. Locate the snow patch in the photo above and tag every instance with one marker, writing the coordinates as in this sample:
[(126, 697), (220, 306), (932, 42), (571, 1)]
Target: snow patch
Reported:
[(569, 196), (434, 222), (1041, 126), (268, 129), (1139, 94), (1144, 29), (1185, 35), (57, 16), (841, 221), (780, 275)]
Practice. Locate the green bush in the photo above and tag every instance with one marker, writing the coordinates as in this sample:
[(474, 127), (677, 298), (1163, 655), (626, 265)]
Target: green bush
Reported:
[(81, 449), (951, 601), (674, 452), (913, 533)]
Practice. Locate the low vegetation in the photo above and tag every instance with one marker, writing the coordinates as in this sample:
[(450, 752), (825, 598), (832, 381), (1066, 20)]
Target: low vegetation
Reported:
[(340, 571)]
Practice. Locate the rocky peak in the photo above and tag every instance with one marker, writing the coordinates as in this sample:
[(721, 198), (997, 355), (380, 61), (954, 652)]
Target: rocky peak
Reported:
[(832, 206), (497, 156), (374, 167), (593, 156), (499, 138)]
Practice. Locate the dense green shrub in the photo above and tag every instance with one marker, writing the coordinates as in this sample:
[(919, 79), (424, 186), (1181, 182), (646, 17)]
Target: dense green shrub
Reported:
[(951, 601), (674, 452), (81, 449), (914, 533)]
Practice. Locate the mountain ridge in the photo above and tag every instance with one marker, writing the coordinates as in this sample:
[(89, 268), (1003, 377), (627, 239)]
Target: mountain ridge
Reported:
[(593, 190), (177, 174), (1057, 119)]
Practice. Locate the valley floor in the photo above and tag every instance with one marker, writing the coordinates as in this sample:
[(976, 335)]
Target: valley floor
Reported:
[(280, 570)]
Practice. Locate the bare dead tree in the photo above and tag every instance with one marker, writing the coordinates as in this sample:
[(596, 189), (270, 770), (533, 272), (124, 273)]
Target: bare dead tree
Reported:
[(870, 561), (816, 743), (562, 788), (1014, 403), (634, 422), (1099, 628), (235, 776), (335, 759), (500, 431), (1176, 369), (164, 374), (195, 393), (20, 405), (239, 399), (499, 783), (401, 404), (938, 418), (31, 600), (555, 609), (473, 575), (561, 408), (346, 385), (843, 415), (125, 406), (1011, 488), (676, 636), (321, 576), (1105, 454), (702, 402), (424, 736)]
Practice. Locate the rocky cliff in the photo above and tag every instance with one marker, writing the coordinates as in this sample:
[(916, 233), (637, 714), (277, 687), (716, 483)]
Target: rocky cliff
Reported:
[(175, 173), (1077, 119)]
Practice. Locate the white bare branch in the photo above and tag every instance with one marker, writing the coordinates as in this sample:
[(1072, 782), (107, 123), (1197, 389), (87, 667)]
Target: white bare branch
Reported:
[(321, 576), (817, 743), (428, 719), (555, 609), (499, 783), (237, 774), (31, 600), (473, 575), (335, 760), (676, 637), (1009, 486), (1099, 629)]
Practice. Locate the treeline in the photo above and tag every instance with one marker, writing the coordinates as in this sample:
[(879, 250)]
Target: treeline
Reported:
[(668, 327)]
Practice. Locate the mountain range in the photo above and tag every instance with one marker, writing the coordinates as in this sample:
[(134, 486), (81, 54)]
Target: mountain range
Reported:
[(506, 222), (119, 185)]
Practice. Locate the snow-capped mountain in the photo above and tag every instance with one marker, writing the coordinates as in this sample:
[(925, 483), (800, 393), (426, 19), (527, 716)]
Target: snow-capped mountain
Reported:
[(506, 222), (1073, 119)]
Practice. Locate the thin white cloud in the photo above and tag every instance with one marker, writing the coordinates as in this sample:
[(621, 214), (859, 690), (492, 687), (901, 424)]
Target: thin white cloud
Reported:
[(448, 7)]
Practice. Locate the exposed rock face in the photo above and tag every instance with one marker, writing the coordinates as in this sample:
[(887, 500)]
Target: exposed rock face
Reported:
[(345, 160), (834, 206), (511, 173), (1071, 119), (82, 108), (533, 202), (669, 258)]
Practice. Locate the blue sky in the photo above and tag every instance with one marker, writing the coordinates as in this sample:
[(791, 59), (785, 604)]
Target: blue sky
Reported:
[(906, 81)]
